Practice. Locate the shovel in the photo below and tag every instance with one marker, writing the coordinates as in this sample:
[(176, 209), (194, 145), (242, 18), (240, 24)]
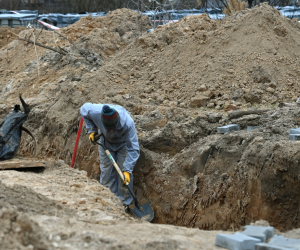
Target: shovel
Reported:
[(140, 211)]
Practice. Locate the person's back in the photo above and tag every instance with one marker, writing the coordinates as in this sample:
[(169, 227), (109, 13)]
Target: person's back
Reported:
[(119, 133)]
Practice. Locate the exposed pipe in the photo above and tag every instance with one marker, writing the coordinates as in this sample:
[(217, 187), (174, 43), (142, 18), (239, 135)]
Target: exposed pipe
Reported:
[(76, 142)]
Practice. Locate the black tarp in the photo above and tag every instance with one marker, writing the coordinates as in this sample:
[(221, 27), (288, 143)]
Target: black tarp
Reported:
[(11, 131)]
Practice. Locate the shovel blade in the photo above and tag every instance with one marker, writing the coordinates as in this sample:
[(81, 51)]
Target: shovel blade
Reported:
[(145, 212)]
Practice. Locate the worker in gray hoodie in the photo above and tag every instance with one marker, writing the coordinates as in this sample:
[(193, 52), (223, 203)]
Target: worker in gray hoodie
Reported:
[(118, 128)]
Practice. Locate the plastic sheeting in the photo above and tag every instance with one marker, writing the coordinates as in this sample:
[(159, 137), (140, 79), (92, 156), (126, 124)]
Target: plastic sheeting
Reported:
[(61, 20), (10, 134)]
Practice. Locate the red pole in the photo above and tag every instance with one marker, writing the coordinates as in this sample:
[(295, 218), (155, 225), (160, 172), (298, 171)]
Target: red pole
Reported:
[(76, 143)]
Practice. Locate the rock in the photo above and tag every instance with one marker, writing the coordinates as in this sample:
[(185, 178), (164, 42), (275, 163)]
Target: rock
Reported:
[(273, 84), (62, 79), (280, 30), (210, 105), (91, 58), (214, 117), (231, 107), (207, 93), (201, 88), (271, 90), (76, 78), (261, 75), (252, 98), (220, 103), (160, 99), (152, 77), (226, 97), (148, 90), (126, 96), (199, 101)]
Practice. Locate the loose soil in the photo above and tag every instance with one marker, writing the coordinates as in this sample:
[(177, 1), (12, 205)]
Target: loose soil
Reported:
[(5, 35), (62, 208), (179, 82)]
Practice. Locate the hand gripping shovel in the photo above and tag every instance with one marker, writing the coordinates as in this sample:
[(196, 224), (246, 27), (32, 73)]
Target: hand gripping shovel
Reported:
[(140, 211)]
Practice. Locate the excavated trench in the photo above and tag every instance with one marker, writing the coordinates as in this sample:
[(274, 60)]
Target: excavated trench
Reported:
[(191, 175), (208, 180)]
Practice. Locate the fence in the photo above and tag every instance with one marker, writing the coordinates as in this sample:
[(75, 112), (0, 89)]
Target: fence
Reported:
[(13, 20), (158, 17)]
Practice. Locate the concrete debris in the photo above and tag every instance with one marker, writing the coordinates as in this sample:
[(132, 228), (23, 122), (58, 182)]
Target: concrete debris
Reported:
[(261, 233), (294, 131), (294, 134), (279, 240), (294, 137), (228, 128), (237, 241), (265, 246), (250, 128)]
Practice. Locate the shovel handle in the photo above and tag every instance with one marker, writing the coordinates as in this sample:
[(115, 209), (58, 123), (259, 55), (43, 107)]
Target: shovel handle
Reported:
[(97, 137), (123, 178), (115, 164)]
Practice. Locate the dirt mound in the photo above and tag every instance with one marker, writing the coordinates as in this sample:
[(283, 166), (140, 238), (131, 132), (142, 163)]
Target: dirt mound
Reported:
[(99, 222), (18, 231), (61, 192), (109, 33), (25, 200), (248, 59), (121, 21), (4, 33)]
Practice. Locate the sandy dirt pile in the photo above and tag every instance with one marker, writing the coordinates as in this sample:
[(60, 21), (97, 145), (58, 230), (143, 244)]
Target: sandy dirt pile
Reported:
[(83, 220), (69, 187), (110, 33), (250, 58), (176, 81), (19, 231), (87, 216), (4, 34)]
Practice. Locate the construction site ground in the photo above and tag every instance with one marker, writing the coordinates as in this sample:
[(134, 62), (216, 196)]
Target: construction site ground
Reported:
[(180, 83)]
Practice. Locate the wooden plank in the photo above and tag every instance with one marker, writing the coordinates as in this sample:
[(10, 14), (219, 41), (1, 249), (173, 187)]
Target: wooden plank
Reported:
[(20, 163)]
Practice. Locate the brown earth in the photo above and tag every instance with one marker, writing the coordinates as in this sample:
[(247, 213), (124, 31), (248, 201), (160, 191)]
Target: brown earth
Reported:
[(5, 36), (74, 212), (178, 82)]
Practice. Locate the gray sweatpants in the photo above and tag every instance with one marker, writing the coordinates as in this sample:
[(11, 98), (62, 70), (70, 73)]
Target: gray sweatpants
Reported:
[(109, 176)]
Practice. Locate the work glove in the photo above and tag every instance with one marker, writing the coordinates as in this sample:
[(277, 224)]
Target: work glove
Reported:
[(92, 137), (127, 177)]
